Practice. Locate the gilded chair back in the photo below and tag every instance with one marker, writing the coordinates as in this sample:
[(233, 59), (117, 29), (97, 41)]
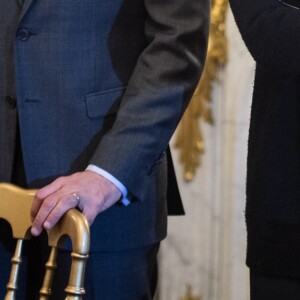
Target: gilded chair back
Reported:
[(15, 204)]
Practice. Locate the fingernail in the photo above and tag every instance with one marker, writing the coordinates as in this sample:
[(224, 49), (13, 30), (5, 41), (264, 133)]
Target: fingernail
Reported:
[(34, 231), (47, 225)]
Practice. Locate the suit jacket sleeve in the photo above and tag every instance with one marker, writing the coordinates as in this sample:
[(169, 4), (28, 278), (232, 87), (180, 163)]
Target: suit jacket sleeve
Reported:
[(161, 85), (270, 30)]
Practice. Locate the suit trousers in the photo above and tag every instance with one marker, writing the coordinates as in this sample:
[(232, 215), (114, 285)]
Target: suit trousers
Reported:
[(127, 275), (266, 287)]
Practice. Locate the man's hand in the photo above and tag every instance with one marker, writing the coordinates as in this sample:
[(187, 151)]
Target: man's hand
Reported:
[(88, 190)]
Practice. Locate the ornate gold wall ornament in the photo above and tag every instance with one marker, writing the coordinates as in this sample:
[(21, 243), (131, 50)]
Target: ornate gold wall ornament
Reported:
[(189, 136), (189, 294)]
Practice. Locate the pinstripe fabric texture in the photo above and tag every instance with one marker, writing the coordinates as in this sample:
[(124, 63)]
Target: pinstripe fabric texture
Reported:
[(104, 83), (9, 15), (101, 82)]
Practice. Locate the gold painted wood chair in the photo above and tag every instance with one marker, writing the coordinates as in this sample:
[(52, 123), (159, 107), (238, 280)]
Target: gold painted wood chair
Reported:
[(15, 206)]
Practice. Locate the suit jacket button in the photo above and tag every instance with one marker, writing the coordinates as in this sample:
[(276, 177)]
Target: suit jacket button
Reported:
[(11, 101), (23, 34)]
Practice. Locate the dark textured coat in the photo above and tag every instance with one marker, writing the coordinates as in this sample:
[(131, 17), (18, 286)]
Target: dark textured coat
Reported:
[(271, 31)]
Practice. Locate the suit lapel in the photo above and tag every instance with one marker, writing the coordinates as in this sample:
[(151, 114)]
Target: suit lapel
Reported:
[(25, 6)]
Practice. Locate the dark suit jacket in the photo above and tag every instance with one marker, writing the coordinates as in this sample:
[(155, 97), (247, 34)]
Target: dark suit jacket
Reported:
[(104, 83), (271, 31)]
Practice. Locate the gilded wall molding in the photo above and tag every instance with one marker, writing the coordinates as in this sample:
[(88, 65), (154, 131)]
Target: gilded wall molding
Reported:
[(189, 137), (189, 295)]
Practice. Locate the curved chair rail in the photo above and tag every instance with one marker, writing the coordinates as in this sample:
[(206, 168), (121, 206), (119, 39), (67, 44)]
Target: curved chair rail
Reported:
[(15, 204)]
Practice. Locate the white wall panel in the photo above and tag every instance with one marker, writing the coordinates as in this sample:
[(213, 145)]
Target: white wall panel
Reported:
[(206, 248)]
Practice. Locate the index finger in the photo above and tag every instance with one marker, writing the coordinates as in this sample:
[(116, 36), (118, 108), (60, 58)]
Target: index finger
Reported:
[(49, 189), (42, 194)]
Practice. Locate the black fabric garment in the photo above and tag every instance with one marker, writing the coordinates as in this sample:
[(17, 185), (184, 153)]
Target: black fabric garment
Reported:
[(270, 29), (264, 287), (175, 206), (18, 172)]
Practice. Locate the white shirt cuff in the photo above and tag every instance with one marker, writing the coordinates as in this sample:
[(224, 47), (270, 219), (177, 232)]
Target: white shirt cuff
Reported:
[(125, 201)]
